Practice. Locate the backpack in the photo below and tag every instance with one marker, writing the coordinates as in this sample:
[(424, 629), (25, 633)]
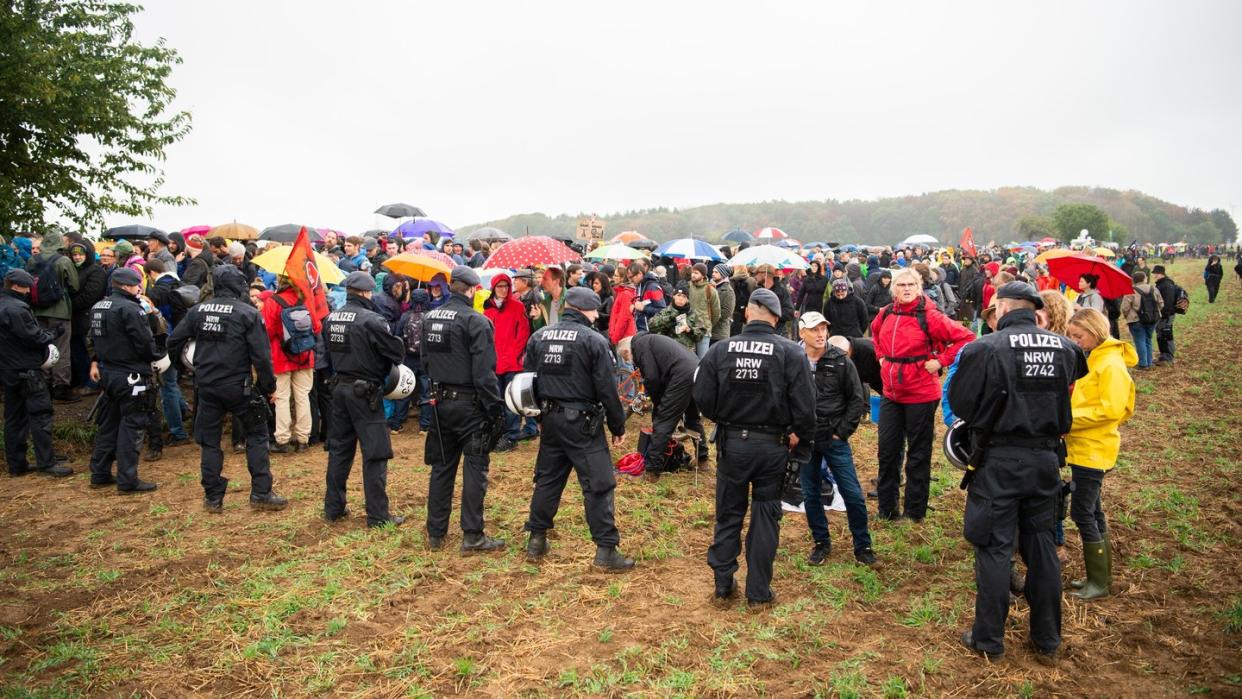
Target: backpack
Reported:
[(299, 329), (919, 313), (1148, 313), (413, 333), (48, 289), (1182, 302), (9, 259)]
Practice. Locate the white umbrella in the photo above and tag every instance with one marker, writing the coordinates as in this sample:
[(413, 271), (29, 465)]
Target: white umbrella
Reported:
[(920, 239), (768, 255)]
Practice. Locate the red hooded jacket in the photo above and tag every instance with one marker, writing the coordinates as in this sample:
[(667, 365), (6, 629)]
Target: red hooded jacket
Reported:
[(282, 363), (621, 323), (511, 328), (902, 337)]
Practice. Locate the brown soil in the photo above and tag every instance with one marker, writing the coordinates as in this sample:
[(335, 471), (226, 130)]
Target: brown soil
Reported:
[(171, 599)]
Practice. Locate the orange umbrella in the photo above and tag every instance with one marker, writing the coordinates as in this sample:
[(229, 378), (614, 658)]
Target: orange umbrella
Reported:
[(627, 237), (1053, 254), (236, 231), (421, 265)]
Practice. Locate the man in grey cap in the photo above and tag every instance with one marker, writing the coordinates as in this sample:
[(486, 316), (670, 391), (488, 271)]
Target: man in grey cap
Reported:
[(362, 351), (575, 386), (459, 355), (757, 387), (24, 346), (157, 249)]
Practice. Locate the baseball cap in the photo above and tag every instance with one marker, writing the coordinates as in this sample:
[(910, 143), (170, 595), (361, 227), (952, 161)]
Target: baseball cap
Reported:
[(1021, 291), (465, 275), (360, 281), (19, 277), (812, 320), (126, 277)]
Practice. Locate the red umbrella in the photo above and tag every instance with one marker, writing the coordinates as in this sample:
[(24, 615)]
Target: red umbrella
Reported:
[(530, 252), (1113, 282)]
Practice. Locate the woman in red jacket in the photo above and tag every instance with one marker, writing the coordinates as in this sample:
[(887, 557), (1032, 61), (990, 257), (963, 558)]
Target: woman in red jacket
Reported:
[(913, 341), (511, 328)]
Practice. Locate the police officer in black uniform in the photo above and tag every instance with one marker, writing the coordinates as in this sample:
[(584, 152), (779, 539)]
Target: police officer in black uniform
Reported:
[(124, 343), (1012, 389), (459, 354), (668, 378), (361, 351), (27, 401), (576, 388), (226, 329), (757, 387)]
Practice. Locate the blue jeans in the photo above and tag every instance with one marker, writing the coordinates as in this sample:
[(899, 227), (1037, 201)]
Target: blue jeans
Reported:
[(513, 421), (1142, 334), (841, 465), (701, 346), (170, 394)]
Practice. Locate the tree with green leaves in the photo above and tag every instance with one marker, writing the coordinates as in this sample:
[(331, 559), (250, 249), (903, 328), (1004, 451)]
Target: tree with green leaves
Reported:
[(1034, 228), (84, 114), (1071, 219), (1225, 223)]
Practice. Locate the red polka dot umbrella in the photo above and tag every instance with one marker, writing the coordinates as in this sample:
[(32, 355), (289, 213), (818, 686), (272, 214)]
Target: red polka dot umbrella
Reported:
[(531, 251)]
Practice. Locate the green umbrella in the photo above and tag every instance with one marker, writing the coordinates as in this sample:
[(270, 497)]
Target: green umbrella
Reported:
[(615, 252)]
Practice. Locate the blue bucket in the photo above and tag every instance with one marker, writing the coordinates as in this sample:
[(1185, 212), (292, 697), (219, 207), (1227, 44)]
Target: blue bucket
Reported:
[(875, 408)]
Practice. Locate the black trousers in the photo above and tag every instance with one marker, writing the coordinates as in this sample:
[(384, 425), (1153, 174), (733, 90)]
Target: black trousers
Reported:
[(675, 404), (564, 448), (748, 471), (27, 415), (122, 420), (214, 402), (909, 428), (353, 423), (1213, 288), (321, 406), (1015, 493), (455, 430), (1086, 509), (1164, 338)]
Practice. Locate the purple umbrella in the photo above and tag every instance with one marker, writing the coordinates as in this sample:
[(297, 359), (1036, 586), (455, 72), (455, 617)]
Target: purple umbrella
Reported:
[(416, 227)]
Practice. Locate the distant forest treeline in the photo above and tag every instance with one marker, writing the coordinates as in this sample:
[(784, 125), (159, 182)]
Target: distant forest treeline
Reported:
[(1010, 213)]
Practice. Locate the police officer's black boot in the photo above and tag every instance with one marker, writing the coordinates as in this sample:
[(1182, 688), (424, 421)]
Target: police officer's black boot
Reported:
[(536, 546), (153, 454), (269, 501), (478, 542), (139, 487), (213, 505), (58, 470), (725, 591), (608, 558)]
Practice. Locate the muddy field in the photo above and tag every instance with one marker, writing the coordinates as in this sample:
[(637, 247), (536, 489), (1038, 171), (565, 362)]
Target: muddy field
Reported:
[(102, 594)]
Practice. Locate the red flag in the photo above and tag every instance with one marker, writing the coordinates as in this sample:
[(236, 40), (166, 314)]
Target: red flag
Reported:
[(304, 275), (967, 243)]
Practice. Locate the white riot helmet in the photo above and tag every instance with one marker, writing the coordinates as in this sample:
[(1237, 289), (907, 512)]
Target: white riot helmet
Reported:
[(401, 383), (958, 444), (161, 365), (520, 395), (53, 356), (187, 355)]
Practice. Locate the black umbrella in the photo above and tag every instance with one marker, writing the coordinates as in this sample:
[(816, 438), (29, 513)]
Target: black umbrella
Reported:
[(737, 235), (399, 210), (488, 234), (643, 244), (134, 231), (288, 232), (376, 233), (563, 237)]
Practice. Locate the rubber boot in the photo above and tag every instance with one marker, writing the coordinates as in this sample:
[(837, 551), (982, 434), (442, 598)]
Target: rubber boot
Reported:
[(1078, 584), (1099, 577)]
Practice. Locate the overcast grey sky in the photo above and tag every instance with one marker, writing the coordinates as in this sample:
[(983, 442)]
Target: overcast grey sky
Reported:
[(317, 112)]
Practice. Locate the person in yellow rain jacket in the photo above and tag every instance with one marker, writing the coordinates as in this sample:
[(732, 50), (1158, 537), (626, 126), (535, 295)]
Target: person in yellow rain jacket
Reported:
[(1102, 400)]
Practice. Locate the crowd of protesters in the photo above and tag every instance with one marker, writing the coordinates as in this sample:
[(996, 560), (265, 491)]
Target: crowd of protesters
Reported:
[(898, 317)]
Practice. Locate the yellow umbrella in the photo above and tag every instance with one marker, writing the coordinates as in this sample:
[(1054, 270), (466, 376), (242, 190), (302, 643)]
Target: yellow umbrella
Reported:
[(1052, 254), (1104, 252), (236, 231), (274, 259), (421, 265)]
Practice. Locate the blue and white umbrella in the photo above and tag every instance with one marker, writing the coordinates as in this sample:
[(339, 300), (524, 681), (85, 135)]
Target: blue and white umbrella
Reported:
[(689, 248)]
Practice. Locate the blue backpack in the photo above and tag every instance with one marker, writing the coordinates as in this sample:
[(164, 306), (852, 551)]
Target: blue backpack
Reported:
[(299, 329)]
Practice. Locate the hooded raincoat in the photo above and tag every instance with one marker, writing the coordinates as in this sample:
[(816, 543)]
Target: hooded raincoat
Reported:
[(1102, 400)]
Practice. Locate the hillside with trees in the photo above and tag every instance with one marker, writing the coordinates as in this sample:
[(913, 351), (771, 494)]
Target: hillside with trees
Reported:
[(1010, 213)]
